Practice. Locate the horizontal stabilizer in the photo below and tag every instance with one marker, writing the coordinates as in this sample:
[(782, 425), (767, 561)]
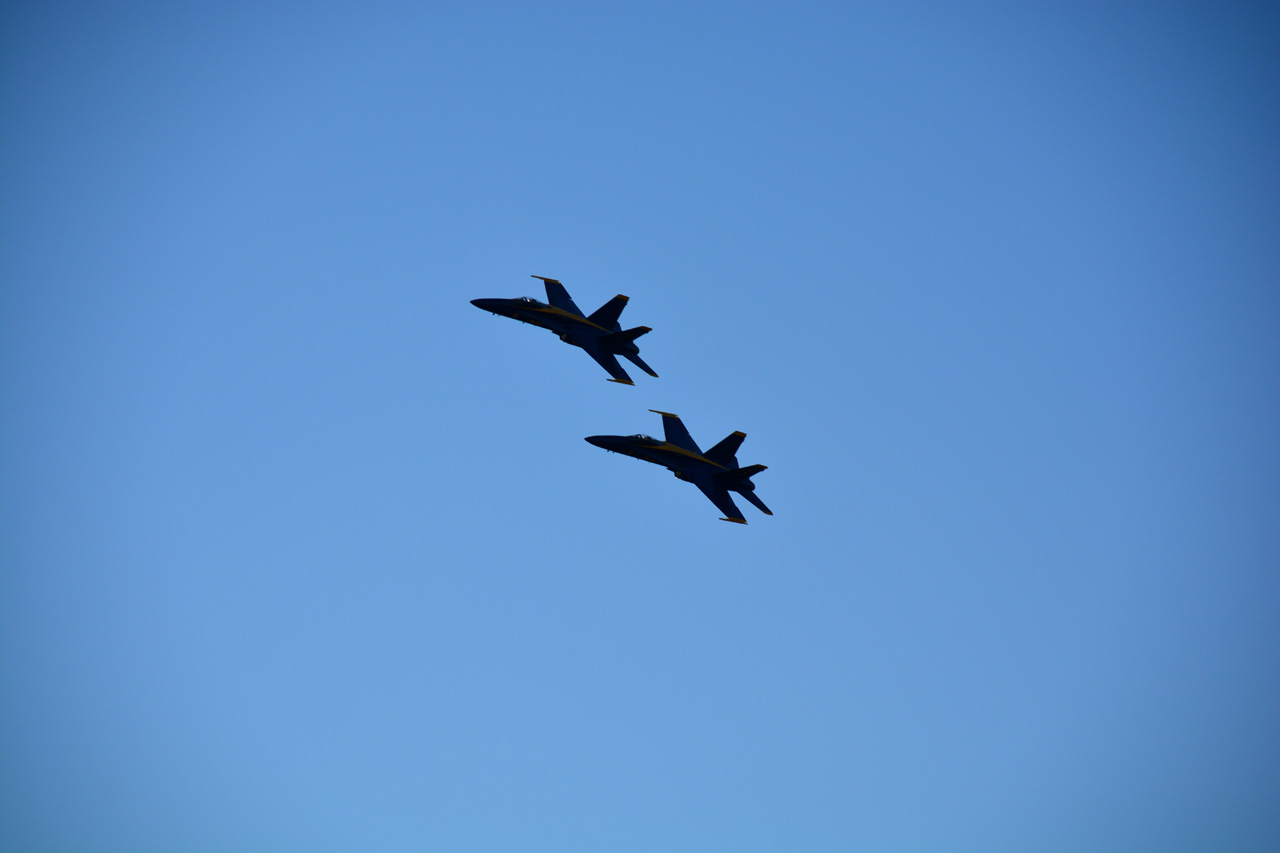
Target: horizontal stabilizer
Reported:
[(616, 340), (756, 502), (606, 316), (635, 359), (739, 479)]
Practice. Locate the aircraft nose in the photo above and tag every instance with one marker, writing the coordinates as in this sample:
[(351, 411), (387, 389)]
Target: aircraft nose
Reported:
[(493, 306), (606, 441)]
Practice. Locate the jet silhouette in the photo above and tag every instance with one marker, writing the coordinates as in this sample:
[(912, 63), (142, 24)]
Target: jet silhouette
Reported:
[(600, 335), (715, 472)]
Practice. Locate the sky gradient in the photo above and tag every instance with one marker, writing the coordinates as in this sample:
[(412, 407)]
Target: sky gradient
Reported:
[(301, 551)]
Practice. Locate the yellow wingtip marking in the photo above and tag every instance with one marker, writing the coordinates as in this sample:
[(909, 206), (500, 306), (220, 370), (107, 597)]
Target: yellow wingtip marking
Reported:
[(735, 520), (664, 414), (621, 381)]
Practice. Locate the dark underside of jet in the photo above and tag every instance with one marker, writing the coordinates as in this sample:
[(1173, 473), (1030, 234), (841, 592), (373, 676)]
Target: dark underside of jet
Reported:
[(599, 334), (716, 472)]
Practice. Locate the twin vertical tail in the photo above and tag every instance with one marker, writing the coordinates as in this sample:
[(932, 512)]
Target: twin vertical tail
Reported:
[(736, 479), (620, 342), (725, 453), (606, 316)]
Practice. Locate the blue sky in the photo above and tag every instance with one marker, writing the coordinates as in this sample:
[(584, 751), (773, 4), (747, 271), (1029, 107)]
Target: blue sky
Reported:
[(301, 551)]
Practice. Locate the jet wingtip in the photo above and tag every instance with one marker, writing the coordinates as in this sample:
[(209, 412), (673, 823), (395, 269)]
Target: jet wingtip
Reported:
[(621, 381), (735, 520)]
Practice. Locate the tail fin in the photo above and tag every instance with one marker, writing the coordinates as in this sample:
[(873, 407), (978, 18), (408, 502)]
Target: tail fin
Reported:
[(724, 452), (615, 340), (606, 316)]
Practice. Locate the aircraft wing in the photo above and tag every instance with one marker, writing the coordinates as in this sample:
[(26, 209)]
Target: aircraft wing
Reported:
[(719, 496), (676, 432), (607, 360), (558, 297)]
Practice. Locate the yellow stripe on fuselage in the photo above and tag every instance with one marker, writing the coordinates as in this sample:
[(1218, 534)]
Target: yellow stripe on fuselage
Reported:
[(675, 448), (551, 309)]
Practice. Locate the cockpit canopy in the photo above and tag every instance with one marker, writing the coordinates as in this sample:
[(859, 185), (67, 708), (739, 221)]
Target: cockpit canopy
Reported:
[(644, 437), (529, 299)]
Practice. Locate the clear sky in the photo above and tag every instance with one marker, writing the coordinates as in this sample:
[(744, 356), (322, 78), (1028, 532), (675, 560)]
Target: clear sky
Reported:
[(299, 551)]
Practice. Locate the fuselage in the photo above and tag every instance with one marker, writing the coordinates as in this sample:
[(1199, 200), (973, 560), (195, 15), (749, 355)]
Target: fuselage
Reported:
[(664, 453), (598, 334), (570, 327), (715, 472)]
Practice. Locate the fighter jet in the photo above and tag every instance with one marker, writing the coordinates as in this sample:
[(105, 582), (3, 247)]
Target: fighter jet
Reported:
[(600, 335), (716, 472)]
